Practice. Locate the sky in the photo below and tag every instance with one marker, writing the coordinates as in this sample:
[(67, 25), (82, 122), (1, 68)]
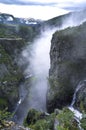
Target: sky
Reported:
[(40, 9)]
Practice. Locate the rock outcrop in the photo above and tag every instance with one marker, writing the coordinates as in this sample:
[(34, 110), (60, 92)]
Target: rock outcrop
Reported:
[(10, 74), (68, 65)]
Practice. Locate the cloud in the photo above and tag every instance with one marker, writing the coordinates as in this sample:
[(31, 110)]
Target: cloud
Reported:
[(41, 2), (27, 2), (37, 12), (60, 3), (69, 4), (40, 9)]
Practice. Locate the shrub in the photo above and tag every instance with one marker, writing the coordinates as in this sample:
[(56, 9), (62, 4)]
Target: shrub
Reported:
[(83, 123), (5, 115), (66, 120)]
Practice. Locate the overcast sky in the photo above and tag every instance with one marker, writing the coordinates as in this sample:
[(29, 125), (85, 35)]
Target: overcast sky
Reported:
[(40, 9)]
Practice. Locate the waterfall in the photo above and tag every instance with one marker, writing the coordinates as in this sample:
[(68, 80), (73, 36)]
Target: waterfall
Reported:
[(78, 115), (38, 68), (76, 112), (77, 89)]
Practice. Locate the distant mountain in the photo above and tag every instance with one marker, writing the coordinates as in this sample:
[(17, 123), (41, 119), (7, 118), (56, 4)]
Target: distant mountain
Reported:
[(10, 19), (56, 21), (28, 21), (6, 18)]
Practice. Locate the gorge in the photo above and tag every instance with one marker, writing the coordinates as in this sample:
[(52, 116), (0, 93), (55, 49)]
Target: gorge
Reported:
[(66, 69), (38, 71)]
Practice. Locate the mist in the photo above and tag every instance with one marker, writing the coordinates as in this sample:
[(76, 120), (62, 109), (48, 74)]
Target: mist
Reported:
[(39, 66), (75, 19)]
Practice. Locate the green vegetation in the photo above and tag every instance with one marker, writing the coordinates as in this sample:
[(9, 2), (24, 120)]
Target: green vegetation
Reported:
[(4, 58), (3, 103), (83, 122), (8, 31), (28, 33), (39, 120), (66, 120), (32, 117), (62, 120), (4, 116)]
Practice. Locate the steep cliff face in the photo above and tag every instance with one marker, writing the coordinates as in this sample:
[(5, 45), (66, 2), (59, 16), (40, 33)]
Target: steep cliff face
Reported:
[(68, 65), (10, 74)]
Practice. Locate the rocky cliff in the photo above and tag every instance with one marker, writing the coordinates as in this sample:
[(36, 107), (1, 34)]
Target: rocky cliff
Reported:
[(68, 66), (10, 74)]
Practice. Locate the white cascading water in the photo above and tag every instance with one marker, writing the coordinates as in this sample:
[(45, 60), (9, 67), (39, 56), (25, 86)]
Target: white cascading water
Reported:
[(77, 89), (39, 67), (78, 115)]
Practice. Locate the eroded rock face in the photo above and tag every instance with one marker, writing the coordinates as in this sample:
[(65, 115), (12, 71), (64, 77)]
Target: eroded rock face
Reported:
[(68, 65), (10, 74)]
